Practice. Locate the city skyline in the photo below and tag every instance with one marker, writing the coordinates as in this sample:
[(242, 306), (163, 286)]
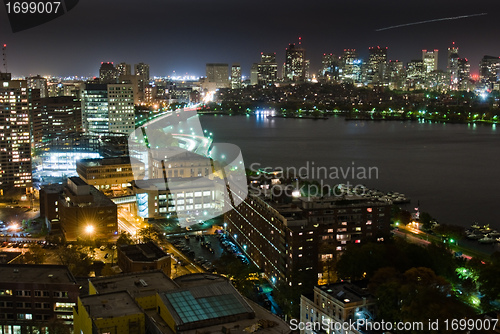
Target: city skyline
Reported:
[(184, 43)]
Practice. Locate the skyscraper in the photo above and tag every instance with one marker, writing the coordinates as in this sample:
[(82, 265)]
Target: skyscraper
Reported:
[(329, 66), (254, 74), (107, 73), (489, 70), (38, 82), (295, 63), (463, 73), (395, 74), (376, 65), (236, 76), (430, 60), (218, 74), (452, 66), (141, 71), (108, 108), (124, 69), (267, 69), (351, 66), (15, 148)]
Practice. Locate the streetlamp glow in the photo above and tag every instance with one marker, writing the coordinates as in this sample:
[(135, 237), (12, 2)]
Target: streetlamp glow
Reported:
[(89, 229)]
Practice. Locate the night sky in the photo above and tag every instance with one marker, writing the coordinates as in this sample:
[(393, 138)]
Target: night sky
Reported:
[(183, 35)]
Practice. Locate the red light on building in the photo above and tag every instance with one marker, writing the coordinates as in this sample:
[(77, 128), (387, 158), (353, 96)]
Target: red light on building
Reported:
[(369, 209)]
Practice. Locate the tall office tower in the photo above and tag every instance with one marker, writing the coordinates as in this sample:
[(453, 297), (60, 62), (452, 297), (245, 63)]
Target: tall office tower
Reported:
[(124, 69), (15, 147), (452, 66), (489, 69), (415, 69), (395, 74), (254, 74), (267, 69), (218, 74), (108, 108), (329, 66), (107, 73), (376, 65), (463, 73), (350, 66), (295, 63), (56, 118), (38, 82), (141, 71), (236, 76), (430, 60)]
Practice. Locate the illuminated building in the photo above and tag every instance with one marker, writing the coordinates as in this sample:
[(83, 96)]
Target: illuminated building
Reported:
[(350, 66), (430, 60), (235, 76), (123, 69), (254, 74), (452, 66), (376, 65), (107, 73), (295, 63), (38, 82), (329, 67), (108, 108), (489, 70), (108, 174), (150, 302), (463, 74), (155, 200), (81, 206), (395, 74), (267, 69), (337, 305), (415, 74), (142, 257), (15, 143), (291, 241), (56, 117), (141, 71), (218, 74), (32, 297)]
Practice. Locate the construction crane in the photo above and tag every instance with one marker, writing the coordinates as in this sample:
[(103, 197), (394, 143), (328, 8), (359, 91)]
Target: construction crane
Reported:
[(4, 49)]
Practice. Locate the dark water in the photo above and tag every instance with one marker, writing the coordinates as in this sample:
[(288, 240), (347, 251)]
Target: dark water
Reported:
[(451, 169)]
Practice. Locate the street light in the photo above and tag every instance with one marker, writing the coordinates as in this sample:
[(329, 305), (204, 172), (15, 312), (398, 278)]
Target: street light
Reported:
[(89, 229)]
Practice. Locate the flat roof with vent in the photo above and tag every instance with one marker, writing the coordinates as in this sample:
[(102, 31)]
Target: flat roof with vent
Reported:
[(115, 304), (345, 292), (35, 273), (148, 252)]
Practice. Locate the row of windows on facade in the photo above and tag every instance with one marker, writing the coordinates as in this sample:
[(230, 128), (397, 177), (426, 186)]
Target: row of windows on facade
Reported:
[(61, 307), (37, 293)]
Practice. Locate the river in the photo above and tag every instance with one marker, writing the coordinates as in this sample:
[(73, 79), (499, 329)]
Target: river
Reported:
[(451, 170)]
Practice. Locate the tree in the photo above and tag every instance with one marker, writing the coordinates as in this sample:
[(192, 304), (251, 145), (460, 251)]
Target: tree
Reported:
[(77, 259), (149, 233), (242, 275), (124, 239), (426, 220), (35, 255)]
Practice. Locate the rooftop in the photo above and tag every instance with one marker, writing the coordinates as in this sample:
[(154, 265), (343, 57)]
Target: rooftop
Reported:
[(125, 160), (154, 280), (147, 252), (115, 304), (35, 273), (345, 292)]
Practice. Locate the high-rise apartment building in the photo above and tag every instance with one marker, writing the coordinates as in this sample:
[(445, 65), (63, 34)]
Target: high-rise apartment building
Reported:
[(295, 63), (395, 74), (254, 74), (15, 145), (124, 69), (107, 72), (430, 60), (376, 65), (235, 76), (452, 66), (329, 66), (267, 69), (463, 73), (142, 74), (38, 82), (108, 108), (350, 66), (489, 70), (55, 118), (218, 74)]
